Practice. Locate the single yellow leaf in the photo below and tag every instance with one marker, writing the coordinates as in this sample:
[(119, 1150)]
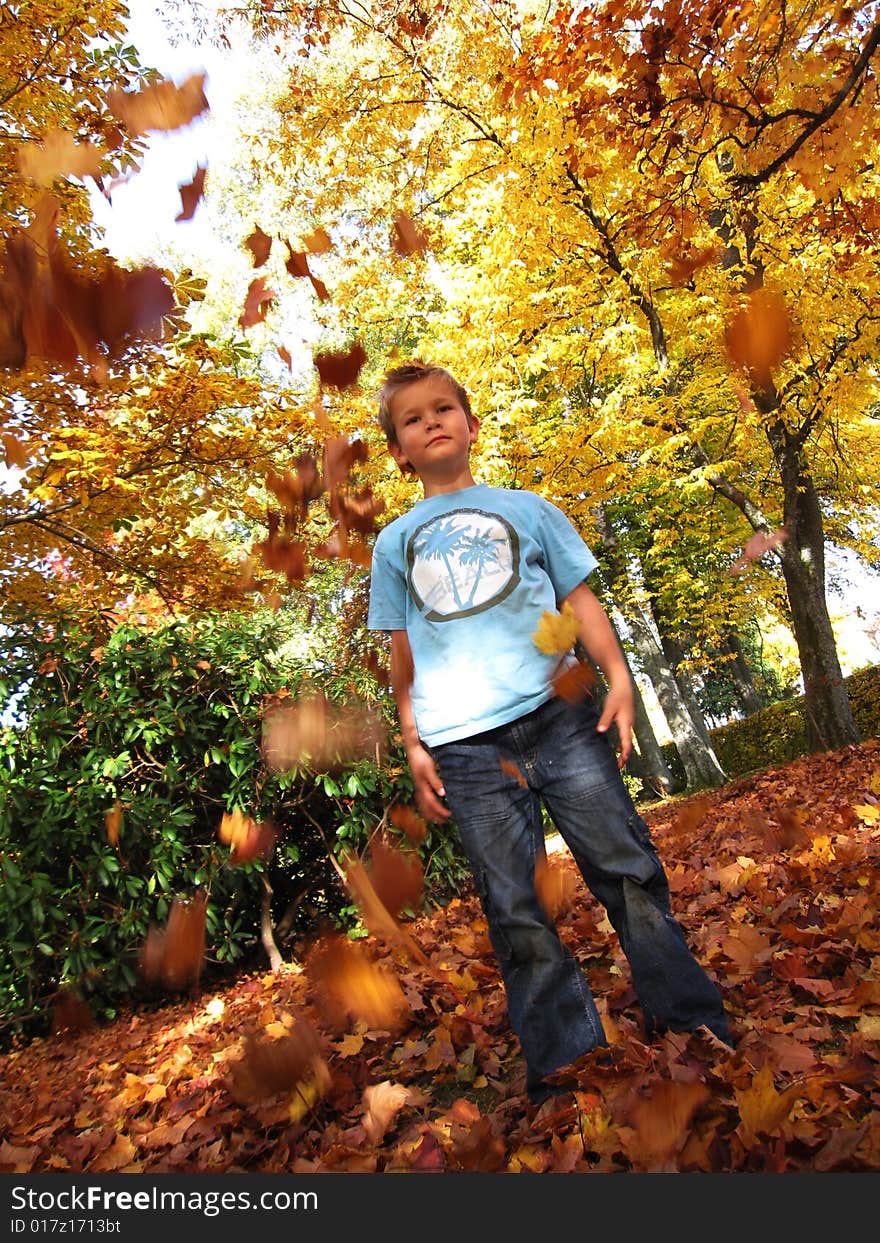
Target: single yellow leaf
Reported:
[(557, 632)]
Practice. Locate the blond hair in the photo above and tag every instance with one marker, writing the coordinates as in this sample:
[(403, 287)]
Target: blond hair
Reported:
[(408, 373)]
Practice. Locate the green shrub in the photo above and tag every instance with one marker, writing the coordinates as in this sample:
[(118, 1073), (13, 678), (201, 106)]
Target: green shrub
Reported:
[(168, 726)]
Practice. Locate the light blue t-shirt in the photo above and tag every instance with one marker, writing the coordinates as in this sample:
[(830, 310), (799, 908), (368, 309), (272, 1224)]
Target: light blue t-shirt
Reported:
[(468, 575)]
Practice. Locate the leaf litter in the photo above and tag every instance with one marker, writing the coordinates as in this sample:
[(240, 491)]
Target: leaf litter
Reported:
[(368, 1058)]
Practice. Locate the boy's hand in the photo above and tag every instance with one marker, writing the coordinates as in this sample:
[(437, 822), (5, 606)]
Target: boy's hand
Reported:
[(619, 707), (429, 787)]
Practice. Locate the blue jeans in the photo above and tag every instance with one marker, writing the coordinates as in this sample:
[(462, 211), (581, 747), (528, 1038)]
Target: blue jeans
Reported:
[(570, 768)]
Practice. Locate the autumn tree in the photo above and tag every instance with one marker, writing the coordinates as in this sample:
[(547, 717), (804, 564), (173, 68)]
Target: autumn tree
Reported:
[(672, 206)]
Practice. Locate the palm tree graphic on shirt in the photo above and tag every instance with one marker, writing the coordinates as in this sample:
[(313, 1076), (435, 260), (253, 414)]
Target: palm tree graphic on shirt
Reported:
[(462, 563)]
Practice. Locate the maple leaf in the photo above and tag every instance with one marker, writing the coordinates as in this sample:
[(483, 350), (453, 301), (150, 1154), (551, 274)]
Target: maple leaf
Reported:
[(340, 369), (257, 303), (759, 336), (58, 155), (260, 246), (406, 239), (755, 547), (162, 106), (191, 195), (762, 1109), (557, 632)]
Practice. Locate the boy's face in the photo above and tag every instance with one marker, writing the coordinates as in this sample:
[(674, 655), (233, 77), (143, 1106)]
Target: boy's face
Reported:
[(434, 434)]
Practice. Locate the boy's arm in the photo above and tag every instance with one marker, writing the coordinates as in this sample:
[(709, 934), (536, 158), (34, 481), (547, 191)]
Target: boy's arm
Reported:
[(429, 787), (600, 643)]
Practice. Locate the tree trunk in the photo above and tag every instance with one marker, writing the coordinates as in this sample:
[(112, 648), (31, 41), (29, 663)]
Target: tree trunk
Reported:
[(276, 962), (741, 674), (675, 654), (830, 722), (655, 773), (699, 761)]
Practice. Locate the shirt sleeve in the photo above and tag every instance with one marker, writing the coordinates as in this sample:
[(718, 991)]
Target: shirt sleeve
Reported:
[(567, 559), (387, 608)]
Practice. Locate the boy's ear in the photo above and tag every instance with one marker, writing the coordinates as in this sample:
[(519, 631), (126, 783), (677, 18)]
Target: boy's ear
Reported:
[(474, 424), (399, 456)]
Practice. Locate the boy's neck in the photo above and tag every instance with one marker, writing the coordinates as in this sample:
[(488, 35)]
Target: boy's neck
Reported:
[(456, 483)]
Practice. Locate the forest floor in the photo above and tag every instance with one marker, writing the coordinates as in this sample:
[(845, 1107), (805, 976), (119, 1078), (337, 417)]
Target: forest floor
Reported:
[(773, 877)]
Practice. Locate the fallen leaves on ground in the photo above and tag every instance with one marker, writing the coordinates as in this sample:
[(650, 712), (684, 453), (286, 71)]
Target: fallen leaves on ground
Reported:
[(361, 1059)]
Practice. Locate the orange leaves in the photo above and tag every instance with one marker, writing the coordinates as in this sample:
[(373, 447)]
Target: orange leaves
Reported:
[(760, 335), (113, 822), (396, 875), (162, 106), (557, 632), (173, 955), (659, 1123), (260, 246), (761, 1108), (58, 155), (575, 681), (408, 820), (298, 265), (52, 310)]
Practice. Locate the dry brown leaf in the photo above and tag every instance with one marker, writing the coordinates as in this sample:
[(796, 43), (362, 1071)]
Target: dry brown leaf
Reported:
[(59, 155), (318, 243), (575, 682), (408, 820), (162, 106), (555, 886), (340, 369), (257, 302), (396, 874), (113, 822), (260, 246), (269, 1066), (349, 983), (315, 731), (755, 547), (661, 1121), (191, 195), (761, 1108), (174, 955)]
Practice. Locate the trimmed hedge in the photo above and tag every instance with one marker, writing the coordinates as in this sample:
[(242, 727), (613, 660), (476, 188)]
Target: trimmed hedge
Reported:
[(778, 734)]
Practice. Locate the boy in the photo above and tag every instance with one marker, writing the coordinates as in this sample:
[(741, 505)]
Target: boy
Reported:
[(462, 581)]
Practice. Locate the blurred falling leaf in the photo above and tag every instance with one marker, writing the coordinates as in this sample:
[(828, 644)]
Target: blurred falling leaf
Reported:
[(382, 1102), (318, 243), (408, 820), (575, 681), (557, 632), (298, 265), (759, 335), (247, 838), (661, 1121), (341, 369), (340, 454), (406, 239), (260, 246), (58, 155), (319, 732), (514, 771), (555, 886), (70, 1013), (268, 1066), (191, 195), (755, 547), (349, 983), (113, 821), (14, 451), (396, 874), (162, 106), (174, 955)]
